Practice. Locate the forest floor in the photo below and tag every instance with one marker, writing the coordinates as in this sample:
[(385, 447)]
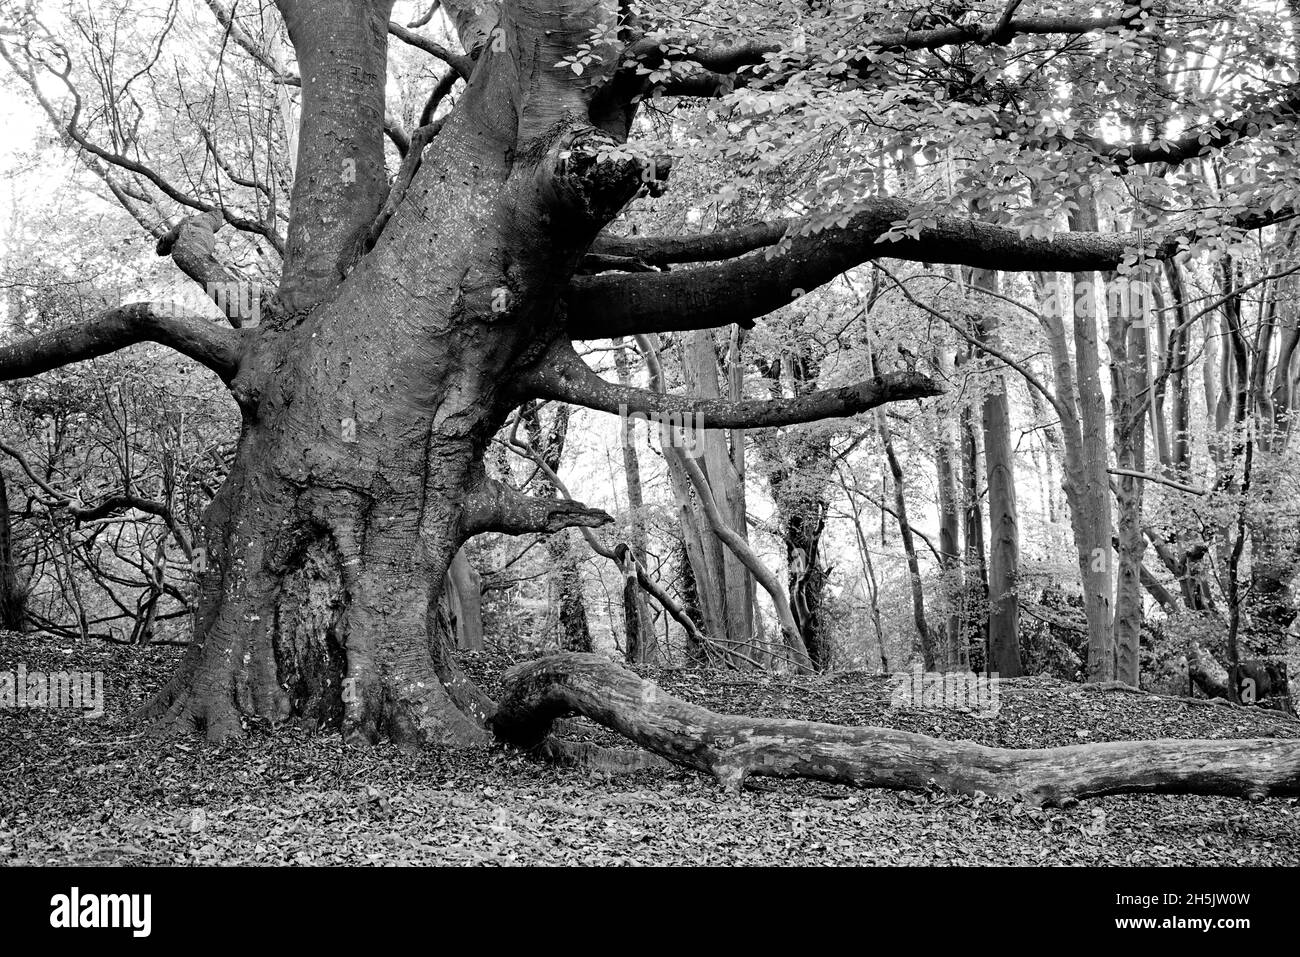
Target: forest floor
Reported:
[(78, 791)]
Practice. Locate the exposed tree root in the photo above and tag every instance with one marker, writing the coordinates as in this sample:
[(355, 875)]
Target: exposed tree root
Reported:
[(733, 747)]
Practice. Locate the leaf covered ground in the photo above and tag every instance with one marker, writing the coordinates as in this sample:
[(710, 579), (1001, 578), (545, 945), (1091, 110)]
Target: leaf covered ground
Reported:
[(76, 791)]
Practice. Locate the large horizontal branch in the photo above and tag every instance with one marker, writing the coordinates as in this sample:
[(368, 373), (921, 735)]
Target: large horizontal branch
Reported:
[(212, 345), (1161, 480), (1000, 33), (733, 747), (564, 377), (116, 504), (721, 66), (496, 507), (742, 289)]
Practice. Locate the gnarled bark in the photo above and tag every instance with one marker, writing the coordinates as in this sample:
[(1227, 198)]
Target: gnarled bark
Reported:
[(368, 405)]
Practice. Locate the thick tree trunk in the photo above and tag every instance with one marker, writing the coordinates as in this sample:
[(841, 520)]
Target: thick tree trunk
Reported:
[(322, 577), (732, 748), (366, 414), (339, 173)]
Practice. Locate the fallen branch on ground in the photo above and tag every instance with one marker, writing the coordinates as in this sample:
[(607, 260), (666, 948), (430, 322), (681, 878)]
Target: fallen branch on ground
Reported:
[(732, 747)]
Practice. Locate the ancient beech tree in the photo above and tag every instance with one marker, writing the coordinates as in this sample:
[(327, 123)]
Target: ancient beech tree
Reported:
[(412, 317)]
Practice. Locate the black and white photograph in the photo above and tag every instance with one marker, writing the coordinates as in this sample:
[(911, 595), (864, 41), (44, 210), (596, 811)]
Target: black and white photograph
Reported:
[(507, 434)]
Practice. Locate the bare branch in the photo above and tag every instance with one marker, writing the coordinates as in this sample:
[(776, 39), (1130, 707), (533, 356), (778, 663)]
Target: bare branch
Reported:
[(425, 17), (112, 505), (563, 376), (1148, 477), (981, 344), (457, 61), (248, 182), (411, 161), (397, 135), (436, 97), (212, 345), (247, 43), (70, 130)]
